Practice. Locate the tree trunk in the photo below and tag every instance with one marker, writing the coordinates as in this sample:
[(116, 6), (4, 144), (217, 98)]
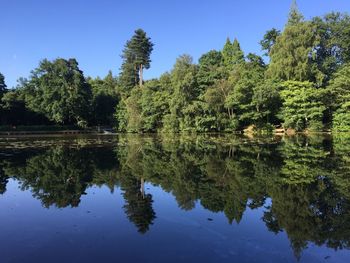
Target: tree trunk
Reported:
[(230, 113), (142, 187), (135, 78), (141, 75)]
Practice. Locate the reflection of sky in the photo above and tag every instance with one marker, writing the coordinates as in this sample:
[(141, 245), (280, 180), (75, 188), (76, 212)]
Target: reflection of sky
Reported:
[(99, 231)]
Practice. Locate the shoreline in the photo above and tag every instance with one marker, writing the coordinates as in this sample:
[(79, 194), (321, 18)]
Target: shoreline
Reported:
[(6, 134)]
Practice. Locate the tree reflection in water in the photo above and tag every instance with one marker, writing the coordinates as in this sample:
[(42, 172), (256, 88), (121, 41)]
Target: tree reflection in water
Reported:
[(306, 179)]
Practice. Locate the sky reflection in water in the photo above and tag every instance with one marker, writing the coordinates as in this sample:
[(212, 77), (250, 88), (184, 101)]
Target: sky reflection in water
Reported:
[(175, 199)]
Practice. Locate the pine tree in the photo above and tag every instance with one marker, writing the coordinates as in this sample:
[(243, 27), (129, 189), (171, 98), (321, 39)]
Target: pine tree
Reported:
[(136, 56), (227, 51), (238, 55), (295, 17), (129, 77), (293, 55), (232, 54)]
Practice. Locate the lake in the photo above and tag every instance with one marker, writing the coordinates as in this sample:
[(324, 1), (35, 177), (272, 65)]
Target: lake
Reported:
[(175, 198)]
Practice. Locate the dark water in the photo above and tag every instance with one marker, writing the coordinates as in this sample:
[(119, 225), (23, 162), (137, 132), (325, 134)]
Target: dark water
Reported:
[(175, 199)]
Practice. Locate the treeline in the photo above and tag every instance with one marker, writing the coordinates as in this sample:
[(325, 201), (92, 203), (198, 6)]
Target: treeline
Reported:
[(58, 93), (304, 86)]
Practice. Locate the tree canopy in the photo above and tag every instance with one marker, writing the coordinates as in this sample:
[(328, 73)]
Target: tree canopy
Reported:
[(59, 91)]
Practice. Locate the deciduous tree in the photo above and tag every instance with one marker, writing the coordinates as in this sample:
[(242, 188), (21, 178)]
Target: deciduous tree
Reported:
[(58, 90)]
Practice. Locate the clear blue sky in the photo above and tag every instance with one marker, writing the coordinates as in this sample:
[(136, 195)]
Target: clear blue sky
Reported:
[(94, 32)]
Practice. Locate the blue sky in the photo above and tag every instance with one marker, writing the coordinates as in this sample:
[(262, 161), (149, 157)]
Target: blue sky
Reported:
[(94, 32)]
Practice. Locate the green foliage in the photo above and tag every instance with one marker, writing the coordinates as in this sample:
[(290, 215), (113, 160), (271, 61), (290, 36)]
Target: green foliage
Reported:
[(301, 105), (144, 109), (184, 91), (210, 69), (232, 54), (121, 116), (338, 93), (138, 205), (269, 40), (104, 100), (2, 92), (304, 86), (134, 110), (59, 91), (2, 85), (136, 57), (242, 98), (129, 78), (14, 111), (334, 42), (57, 177), (266, 103), (294, 17), (155, 105), (341, 119), (293, 55), (138, 49)]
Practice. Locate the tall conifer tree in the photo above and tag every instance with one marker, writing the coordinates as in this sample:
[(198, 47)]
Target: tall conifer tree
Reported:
[(232, 54), (136, 56)]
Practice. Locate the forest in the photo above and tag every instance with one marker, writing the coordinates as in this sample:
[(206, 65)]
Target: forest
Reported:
[(301, 83)]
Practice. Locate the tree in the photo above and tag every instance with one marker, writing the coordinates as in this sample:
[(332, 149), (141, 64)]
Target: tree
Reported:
[(301, 106), (138, 205), (2, 85), (333, 50), (58, 176), (266, 102), (232, 54), (59, 91), (184, 91), (338, 95), (2, 92), (218, 116), (14, 110), (293, 54), (294, 17), (128, 78), (144, 109), (134, 111), (104, 99), (250, 74), (209, 69), (136, 56), (155, 104), (269, 40)]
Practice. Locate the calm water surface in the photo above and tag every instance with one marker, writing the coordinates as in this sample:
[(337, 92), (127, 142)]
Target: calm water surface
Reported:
[(205, 198)]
